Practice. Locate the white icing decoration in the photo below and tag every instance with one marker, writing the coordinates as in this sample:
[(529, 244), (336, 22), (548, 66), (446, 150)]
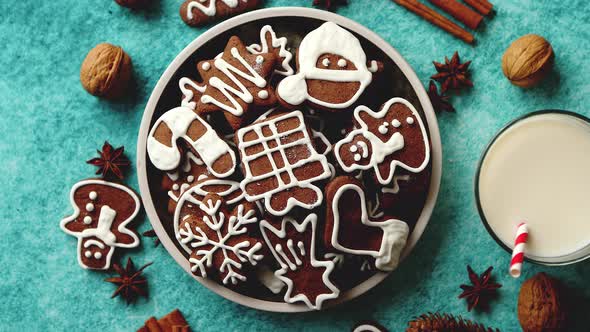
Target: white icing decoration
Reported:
[(267, 277), (190, 178), (87, 220), (175, 187), (89, 207), (93, 195), (395, 232), (206, 248), (383, 128), (329, 38), (375, 208), (187, 94), (209, 146), (259, 59), (229, 91), (189, 197), (374, 67), (210, 9), (380, 150), (357, 157), (263, 47), (88, 253), (396, 123), (102, 230), (410, 120), (326, 62), (206, 66), (276, 171), (396, 179), (324, 139), (341, 63), (262, 94), (338, 259), (97, 255), (353, 148), (310, 221), (367, 328)]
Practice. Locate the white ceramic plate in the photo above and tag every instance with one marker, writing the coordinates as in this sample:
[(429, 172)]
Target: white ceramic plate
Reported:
[(272, 13)]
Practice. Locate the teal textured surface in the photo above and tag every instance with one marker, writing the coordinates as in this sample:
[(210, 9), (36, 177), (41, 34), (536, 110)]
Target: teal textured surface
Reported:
[(50, 126)]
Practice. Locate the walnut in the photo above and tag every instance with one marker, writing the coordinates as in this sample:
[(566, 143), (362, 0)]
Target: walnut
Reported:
[(133, 4), (527, 60), (541, 305), (106, 71)]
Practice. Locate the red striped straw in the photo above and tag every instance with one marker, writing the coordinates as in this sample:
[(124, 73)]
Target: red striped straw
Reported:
[(522, 235)]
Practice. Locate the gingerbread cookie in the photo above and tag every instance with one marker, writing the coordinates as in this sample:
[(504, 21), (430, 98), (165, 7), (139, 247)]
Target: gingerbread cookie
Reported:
[(182, 122), (332, 70), (394, 136), (280, 163), (270, 43), (192, 169), (293, 247), (219, 241), (237, 82), (199, 12), (191, 92), (349, 228), (102, 211)]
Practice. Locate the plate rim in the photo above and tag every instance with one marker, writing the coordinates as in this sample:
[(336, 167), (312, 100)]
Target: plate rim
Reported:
[(385, 47)]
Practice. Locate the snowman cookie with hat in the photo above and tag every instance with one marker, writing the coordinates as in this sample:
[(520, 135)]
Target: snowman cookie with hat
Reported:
[(332, 70)]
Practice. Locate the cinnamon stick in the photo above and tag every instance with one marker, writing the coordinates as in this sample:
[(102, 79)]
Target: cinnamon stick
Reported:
[(482, 6), (435, 18), (460, 12)]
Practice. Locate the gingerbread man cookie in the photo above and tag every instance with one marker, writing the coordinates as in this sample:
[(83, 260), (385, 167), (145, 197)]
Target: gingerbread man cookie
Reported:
[(199, 12), (182, 122), (293, 247), (220, 244), (350, 229), (280, 163), (102, 212), (394, 136), (236, 82), (332, 70)]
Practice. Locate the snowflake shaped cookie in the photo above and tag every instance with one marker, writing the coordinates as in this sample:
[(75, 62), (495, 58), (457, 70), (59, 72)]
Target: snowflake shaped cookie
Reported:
[(221, 246)]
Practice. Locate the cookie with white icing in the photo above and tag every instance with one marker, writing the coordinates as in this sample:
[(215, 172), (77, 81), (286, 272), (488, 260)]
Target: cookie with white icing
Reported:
[(182, 123), (307, 278), (269, 42), (280, 163), (381, 141), (199, 12), (220, 244), (332, 70), (176, 182), (102, 213), (351, 229), (237, 82)]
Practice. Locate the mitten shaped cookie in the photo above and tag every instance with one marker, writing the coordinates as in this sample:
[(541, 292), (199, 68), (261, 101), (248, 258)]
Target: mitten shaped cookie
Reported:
[(350, 229)]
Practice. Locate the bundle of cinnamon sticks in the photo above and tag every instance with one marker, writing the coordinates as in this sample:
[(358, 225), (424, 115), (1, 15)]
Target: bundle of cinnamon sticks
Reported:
[(470, 17)]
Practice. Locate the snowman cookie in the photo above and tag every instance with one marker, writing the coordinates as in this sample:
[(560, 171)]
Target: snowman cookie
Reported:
[(332, 71)]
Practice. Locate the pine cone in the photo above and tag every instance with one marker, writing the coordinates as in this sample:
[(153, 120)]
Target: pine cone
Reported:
[(431, 322)]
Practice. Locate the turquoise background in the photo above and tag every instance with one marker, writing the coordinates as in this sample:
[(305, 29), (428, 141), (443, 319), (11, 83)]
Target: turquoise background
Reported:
[(49, 126)]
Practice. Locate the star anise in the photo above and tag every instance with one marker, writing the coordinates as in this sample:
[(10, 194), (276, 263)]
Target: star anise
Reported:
[(130, 283), (328, 4), (152, 233), (440, 102), (452, 74), (111, 161), (481, 289)]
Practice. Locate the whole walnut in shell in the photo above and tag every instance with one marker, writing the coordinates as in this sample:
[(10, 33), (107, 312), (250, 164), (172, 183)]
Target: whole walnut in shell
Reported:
[(527, 60), (541, 305), (106, 71)]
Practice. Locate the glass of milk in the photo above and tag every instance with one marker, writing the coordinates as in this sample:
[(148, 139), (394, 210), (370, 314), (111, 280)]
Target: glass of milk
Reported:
[(537, 170)]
